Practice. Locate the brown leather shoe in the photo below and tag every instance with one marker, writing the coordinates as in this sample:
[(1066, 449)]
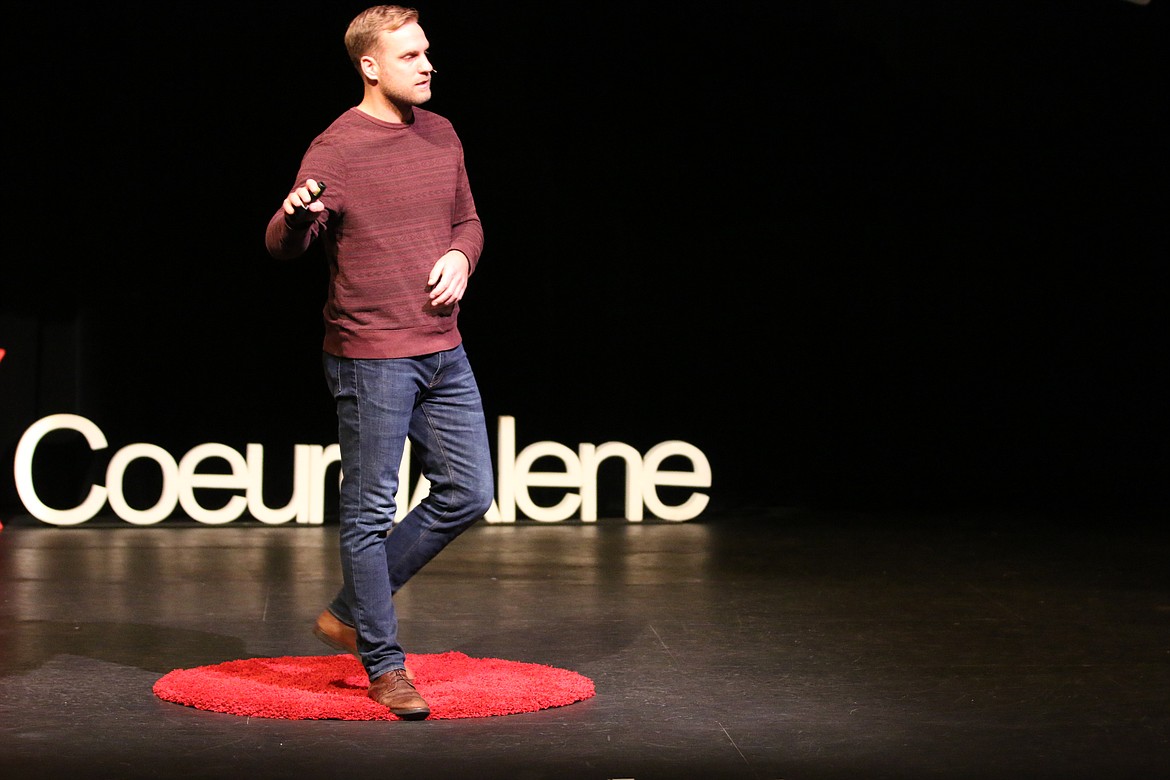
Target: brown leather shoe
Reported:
[(338, 635), (394, 691)]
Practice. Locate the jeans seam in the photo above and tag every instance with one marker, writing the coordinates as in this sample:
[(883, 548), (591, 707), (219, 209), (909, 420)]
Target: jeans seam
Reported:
[(356, 607)]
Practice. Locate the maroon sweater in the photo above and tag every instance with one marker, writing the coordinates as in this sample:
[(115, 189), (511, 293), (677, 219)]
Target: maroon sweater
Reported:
[(396, 199)]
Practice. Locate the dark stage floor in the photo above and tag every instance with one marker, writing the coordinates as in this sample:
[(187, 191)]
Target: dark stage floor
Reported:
[(794, 645)]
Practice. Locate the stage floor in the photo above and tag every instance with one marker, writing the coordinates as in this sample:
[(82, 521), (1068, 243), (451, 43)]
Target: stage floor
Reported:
[(794, 644)]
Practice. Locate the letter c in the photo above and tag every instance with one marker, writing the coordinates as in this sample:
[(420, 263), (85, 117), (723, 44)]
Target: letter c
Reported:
[(22, 470)]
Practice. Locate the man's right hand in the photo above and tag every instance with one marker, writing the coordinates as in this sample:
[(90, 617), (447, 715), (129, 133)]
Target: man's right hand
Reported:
[(301, 206)]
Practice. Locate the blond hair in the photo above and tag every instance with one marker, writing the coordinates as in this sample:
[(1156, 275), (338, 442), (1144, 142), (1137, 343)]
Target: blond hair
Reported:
[(363, 34)]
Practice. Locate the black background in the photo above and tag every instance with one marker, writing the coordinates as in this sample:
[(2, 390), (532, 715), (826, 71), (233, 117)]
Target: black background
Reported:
[(880, 254)]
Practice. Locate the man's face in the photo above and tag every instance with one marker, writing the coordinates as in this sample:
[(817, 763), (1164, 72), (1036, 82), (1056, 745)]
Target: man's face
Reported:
[(403, 70)]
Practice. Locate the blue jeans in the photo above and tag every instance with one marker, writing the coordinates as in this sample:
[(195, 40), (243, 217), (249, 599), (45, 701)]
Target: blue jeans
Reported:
[(434, 400)]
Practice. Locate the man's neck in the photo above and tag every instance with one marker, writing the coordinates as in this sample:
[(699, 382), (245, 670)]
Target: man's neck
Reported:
[(376, 105)]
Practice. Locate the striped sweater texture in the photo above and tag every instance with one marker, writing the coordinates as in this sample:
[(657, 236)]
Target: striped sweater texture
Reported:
[(396, 199)]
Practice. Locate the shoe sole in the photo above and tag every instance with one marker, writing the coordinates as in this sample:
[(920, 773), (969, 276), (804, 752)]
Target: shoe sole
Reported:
[(413, 714)]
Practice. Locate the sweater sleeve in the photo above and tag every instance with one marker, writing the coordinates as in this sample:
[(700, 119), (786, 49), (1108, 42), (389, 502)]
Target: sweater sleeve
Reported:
[(466, 229), (285, 242), (320, 164)]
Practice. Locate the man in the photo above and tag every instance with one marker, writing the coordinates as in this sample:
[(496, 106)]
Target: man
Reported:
[(385, 190)]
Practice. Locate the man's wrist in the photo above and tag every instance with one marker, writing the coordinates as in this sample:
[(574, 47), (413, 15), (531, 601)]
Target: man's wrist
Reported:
[(296, 222), (465, 257)]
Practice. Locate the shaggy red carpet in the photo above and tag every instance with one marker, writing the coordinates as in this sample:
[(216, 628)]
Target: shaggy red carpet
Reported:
[(334, 687)]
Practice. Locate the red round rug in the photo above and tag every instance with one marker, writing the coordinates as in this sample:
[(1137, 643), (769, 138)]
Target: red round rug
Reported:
[(334, 687)]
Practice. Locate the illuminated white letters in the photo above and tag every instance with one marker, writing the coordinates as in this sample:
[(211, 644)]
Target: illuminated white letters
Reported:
[(115, 477), (579, 471), (179, 480), (22, 468), (575, 473), (307, 504)]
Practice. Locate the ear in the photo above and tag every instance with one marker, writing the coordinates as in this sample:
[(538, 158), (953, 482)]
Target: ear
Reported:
[(369, 67)]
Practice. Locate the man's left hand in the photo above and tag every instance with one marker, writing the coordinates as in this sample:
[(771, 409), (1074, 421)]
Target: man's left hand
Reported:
[(448, 279)]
